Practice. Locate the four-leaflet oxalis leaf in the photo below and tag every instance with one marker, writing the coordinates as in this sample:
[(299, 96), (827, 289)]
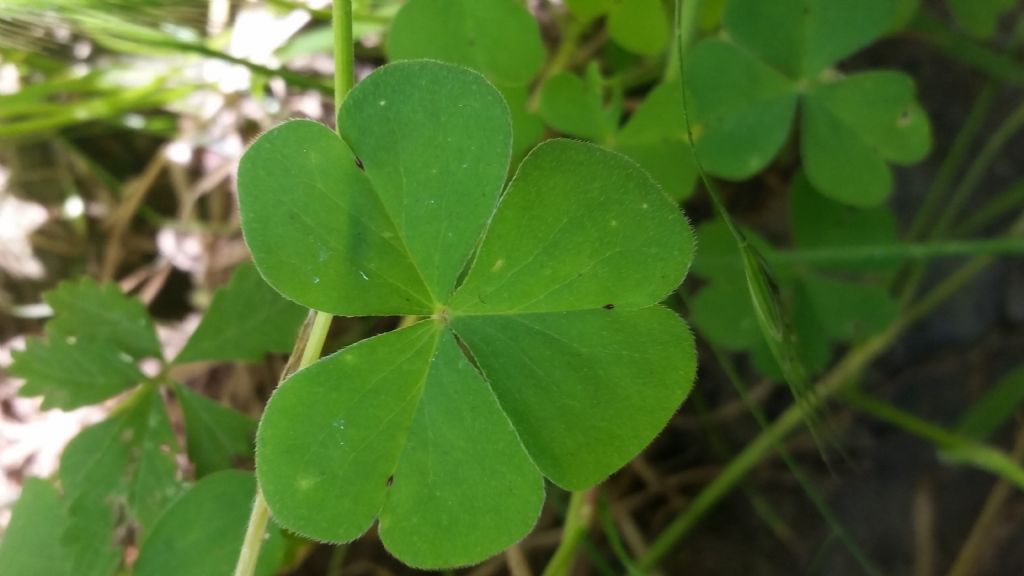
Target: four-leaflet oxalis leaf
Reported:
[(746, 91), (550, 358)]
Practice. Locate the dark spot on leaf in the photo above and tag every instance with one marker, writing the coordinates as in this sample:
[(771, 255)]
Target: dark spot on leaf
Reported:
[(390, 481), (609, 306), (359, 163)]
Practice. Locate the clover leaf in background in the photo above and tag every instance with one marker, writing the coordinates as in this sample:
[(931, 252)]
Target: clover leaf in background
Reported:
[(478, 34), (829, 304), (549, 357), (747, 89), (576, 106), (639, 26), (655, 137)]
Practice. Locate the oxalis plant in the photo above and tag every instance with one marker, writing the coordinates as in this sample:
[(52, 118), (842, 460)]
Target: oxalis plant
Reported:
[(533, 344)]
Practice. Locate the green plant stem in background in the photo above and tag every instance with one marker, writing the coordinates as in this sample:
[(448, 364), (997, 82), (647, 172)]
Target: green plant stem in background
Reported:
[(344, 54), (838, 530), (884, 253), (1008, 128), (559, 61), (763, 290), (962, 145), (958, 47), (577, 521), (844, 372), (968, 451), (249, 556), (977, 169), (681, 41), (1006, 202), (967, 560)]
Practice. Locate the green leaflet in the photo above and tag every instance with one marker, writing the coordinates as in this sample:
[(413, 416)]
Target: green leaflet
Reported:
[(89, 311), (576, 107), (31, 544), (818, 222), (216, 436), (70, 372), (803, 37), (246, 320), (123, 464), (92, 343), (477, 34), (746, 91), (299, 186), (202, 531), (640, 26), (742, 107), (851, 128), (445, 429), (615, 240), (655, 138), (608, 402), (438, 168)]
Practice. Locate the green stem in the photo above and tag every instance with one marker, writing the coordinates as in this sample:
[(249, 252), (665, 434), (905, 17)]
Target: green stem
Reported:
[(809, 489), (1006, 202), (250, 554), (954, 159), (577, 521), (981, 456), (307, 350), (686, 30), (979, 167), (317, 336), (997, 66), (846, 370), (975, 172), (883, 253), (979, 539), (344, 55), (559, 61)]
